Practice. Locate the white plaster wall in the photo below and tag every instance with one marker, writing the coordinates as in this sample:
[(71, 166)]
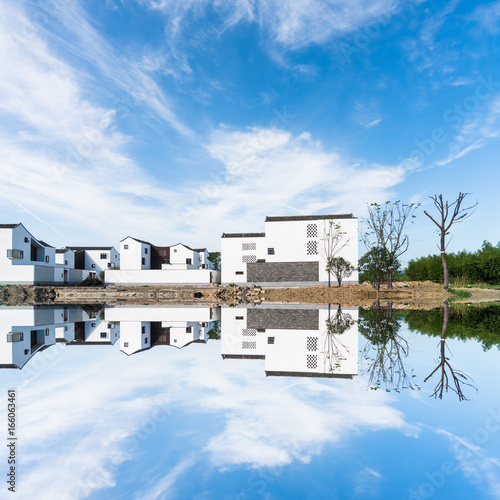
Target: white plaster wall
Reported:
[(290, 241), (162, 277), (232, 257), (203, 259), (178, 255), (131, 257), (171, 314), (93, 333), (232, 337), (23, 319), (290, 350), (131, 333), (68, 256), (93, 257)]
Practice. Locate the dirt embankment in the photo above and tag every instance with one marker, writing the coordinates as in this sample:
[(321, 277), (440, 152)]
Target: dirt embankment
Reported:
[(412, 294), (408, 293)]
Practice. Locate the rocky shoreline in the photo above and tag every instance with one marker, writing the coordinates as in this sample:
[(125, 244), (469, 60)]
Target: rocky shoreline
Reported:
[(408, 294)]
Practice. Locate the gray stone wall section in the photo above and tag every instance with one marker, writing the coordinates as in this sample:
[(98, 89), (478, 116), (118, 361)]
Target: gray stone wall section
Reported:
[(269, 272), (283, 319)]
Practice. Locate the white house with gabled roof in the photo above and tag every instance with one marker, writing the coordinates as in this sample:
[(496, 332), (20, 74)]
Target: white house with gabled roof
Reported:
[(142, 263), (291, 251), (26, 260), (96, 259)]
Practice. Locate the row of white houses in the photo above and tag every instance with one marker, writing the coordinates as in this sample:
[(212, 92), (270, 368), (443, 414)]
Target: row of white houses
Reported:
[(292, 251)]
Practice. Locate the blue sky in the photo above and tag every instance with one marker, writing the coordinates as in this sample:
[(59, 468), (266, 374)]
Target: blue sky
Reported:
[(168, 423), (175, 121)]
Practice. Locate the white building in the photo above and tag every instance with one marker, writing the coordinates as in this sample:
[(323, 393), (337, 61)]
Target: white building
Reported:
[(290, 251), (96, 259), (143, 263), (24, 259), (293, 341), (26, 331), (144, 327)]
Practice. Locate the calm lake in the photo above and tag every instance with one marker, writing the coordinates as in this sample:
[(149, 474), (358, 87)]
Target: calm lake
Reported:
[(270, 401)]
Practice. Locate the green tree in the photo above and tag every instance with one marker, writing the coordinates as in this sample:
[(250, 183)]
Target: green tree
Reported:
[(334, 240), (340, 268), (214, 258)]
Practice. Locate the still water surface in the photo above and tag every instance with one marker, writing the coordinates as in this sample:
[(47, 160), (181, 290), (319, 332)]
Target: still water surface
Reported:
[(313, 402)]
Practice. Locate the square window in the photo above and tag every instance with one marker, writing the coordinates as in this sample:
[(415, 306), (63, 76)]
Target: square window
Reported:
[(188, 329), (175, 340), (143, 329), (15, 337), (270, 340), (104, 335), (15, 254), (188, 261), (93, 266), (175, 250), (125, 247), (125, 344), (270, 251), (26, 240), (109, 264), (26, 351), (65, 262), (104, 256)]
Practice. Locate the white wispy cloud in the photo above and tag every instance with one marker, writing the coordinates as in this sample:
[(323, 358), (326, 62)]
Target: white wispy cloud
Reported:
[(488, 16), (476, 130), (270, 171), (475, 462), (287, 23)]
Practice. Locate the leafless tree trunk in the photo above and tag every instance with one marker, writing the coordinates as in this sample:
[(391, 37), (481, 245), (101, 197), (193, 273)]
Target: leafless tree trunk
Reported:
[(457, 376), (458, 214)]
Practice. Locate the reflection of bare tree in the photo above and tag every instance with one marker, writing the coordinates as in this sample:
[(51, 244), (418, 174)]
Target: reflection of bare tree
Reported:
[(454, 380), (334, 349), (385, 350)]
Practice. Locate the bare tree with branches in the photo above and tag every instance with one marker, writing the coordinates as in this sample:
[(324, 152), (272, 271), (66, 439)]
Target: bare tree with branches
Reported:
[(335, 350), (457, 214), (454, 380), (334, 240), (385, 351), (386, 223)]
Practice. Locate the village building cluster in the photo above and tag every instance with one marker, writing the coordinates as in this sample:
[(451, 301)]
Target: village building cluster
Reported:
[(292, 251)]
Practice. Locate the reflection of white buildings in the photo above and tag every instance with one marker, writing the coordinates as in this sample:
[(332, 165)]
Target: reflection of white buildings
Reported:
[(291, 250), (294, 341), (25, 331), (144, 327)]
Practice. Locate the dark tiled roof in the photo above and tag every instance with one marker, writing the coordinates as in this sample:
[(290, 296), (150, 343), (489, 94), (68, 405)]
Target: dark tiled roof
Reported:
[(199, 249), (9, 226), (77, 249), (243, 235), (136, 239), (63, 250), (309, 217), (45, 244)]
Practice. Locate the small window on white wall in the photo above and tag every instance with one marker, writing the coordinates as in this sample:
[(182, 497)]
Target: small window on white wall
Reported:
[(125, 247)]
